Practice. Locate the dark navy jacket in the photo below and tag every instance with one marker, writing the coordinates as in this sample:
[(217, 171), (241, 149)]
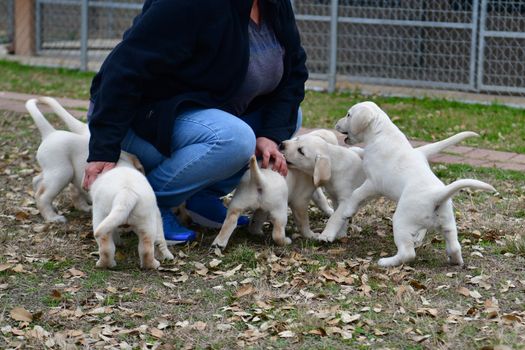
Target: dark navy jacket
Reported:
[(181, 53)]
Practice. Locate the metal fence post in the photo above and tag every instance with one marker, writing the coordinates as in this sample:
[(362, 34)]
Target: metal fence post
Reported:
[(10, 20), (333, 46), (38, 26), (84, 35), (481, 45), (473, 41)]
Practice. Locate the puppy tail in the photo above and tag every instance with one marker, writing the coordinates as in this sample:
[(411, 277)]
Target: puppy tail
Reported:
[(72, 123), (452, 188), (41, 122), (255, 173), (436, 147), (122, 205)]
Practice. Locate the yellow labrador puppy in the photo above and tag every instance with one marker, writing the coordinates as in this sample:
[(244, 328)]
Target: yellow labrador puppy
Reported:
[(339, 169), (396, 170), (123, 196), (269, 194), (62, 156)]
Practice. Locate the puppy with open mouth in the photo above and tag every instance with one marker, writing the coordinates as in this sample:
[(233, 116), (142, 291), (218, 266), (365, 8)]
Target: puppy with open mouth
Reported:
[(402, 173), (339, 169)]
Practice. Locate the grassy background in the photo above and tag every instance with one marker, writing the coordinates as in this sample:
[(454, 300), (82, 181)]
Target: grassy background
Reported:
[(501, 128)]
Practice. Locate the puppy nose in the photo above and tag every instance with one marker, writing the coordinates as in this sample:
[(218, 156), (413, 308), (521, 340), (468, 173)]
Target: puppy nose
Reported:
[(281, 146)]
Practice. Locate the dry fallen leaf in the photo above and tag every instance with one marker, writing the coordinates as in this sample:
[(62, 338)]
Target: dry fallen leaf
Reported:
[(286, 334), (76, 273), (214, 263), (18, 268), (169, 285), (427, 311), (21, 314), (510, 319), (56, 295), (319, 331), (245, 290), (464, 291), (199, 325), (417, 285), (347, 318), (4, 267), (157, 333), (422, 338)]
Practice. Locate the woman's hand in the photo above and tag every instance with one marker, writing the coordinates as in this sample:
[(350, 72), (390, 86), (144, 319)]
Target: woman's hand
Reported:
[(269, 151), (94, 169)]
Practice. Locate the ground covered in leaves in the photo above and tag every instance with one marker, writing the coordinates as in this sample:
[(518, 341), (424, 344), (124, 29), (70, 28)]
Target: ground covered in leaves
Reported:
[(254, 294)]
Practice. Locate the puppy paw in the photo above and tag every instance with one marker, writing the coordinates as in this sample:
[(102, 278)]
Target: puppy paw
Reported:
[(311, 235), (152, 265), (82, 206), (325, 238), (455, 259), (106, 264), (58, 219), (328, 212), (218, 244), (284, 241), (167, 256), (388, 262)]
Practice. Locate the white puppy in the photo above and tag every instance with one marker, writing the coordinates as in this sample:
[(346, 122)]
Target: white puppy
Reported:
[(123, 196), (339, 169), (318, 197), (269, 194), (62, 156), (396, 170), (73, 124)]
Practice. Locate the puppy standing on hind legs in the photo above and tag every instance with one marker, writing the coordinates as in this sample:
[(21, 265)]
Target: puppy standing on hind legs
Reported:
[(121, 196), (396, 170)]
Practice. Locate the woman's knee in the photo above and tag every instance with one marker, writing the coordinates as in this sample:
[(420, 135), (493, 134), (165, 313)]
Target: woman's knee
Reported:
[(241, 141)]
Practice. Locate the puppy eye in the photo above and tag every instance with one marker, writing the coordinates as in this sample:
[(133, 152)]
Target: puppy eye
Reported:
[(300, 150)]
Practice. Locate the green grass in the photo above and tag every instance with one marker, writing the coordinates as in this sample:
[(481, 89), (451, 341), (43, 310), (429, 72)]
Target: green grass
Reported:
[(241, 254), (501, 128), (58, 82), (454, 171)]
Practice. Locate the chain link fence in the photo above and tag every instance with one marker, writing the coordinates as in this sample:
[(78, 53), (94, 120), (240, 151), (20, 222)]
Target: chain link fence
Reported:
[(6, 21), (466, 45)]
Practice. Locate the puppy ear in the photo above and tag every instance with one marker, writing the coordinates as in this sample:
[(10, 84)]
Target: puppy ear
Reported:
[(361, 117), (322, 170), (326, 135)]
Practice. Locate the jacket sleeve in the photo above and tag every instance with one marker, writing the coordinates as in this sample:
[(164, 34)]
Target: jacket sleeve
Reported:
[(280, 114), (159, 40)]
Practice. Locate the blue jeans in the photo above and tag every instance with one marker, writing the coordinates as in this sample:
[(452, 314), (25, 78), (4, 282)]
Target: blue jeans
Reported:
[(210, 150)]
